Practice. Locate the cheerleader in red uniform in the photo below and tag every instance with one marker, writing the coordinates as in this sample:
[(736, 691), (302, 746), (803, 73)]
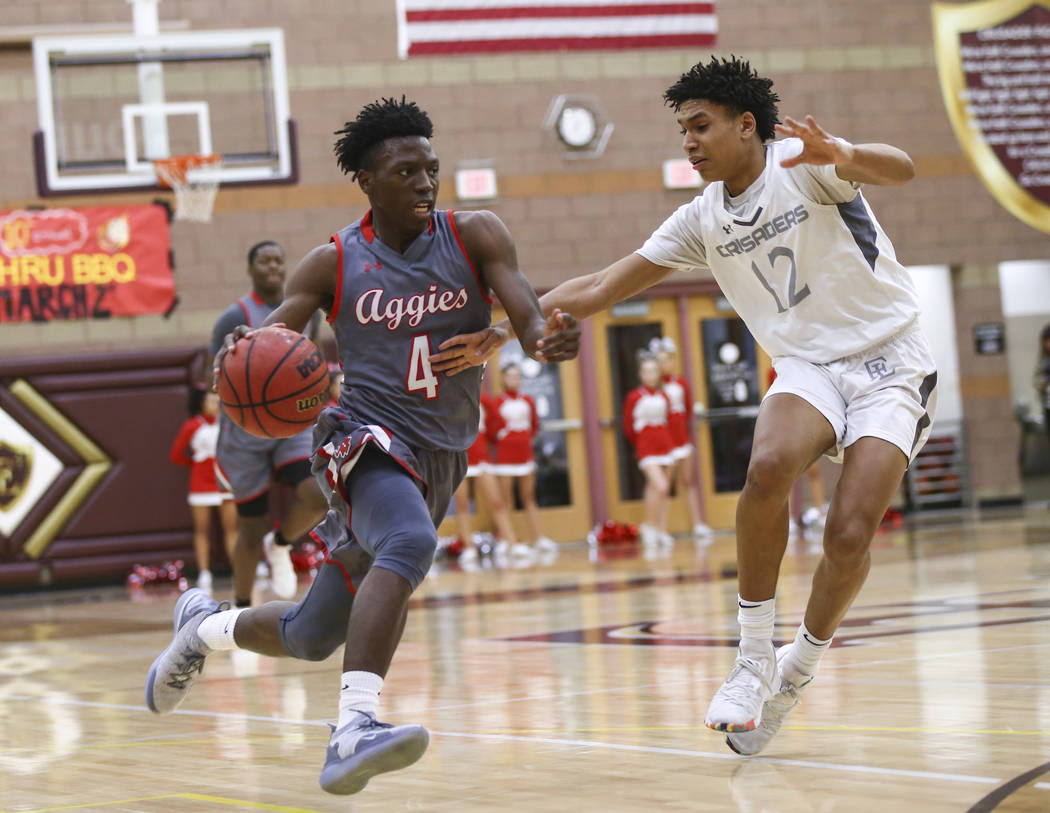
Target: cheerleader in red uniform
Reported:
[(514, 460), (677, 391), (479, 469), (645, 423), (194, 446)]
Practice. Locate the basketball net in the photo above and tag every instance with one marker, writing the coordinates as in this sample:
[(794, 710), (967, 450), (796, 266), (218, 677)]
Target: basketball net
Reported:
[(195, 181)]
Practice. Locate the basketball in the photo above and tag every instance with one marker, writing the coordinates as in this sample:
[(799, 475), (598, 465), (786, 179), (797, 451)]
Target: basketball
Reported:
[(274, 384)]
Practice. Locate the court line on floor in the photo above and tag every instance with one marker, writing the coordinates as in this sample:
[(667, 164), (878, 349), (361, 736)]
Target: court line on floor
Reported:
[(795, 763), (933, 656), (193, 797), (833, 766)]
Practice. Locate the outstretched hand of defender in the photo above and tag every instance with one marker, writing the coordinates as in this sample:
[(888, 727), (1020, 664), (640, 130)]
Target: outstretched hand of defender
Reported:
[(819, 147), (468, 350), (561, 338), (229, 345), (560, 342)]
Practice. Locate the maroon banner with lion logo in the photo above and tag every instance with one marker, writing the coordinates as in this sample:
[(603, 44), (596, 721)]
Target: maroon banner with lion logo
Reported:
[(85, 263)]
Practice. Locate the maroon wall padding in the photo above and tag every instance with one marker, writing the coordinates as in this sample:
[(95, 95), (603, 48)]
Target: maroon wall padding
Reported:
[(131, 405)]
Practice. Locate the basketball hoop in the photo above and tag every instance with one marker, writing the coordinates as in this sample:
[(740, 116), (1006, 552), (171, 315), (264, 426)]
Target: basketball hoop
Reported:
[(195, 181)]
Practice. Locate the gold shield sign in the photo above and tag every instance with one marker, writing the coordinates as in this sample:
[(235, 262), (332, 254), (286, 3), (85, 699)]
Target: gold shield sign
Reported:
[(15, 465), (993, 58)]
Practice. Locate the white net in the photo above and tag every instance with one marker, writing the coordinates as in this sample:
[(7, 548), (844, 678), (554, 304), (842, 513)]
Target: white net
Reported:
[(195, 181)]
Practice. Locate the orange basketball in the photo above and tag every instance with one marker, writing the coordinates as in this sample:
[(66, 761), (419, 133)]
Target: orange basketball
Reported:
[(274, 383)]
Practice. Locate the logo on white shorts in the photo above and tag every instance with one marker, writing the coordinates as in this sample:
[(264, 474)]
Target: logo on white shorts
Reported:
[(878, 369)]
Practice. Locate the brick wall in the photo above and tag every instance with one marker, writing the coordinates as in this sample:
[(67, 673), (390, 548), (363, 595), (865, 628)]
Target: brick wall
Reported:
[(991, 434), (866, 70)]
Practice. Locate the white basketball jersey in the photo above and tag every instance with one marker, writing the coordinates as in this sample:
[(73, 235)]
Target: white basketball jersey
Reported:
[(799, 255)]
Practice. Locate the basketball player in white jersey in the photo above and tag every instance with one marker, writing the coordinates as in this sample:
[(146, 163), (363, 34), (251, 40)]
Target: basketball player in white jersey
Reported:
[(796, 249)]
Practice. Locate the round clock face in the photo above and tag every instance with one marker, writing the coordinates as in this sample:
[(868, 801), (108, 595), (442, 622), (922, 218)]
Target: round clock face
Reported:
[(577, 126)]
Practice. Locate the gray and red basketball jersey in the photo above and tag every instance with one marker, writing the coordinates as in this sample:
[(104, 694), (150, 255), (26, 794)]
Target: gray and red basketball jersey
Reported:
[(391, 311)]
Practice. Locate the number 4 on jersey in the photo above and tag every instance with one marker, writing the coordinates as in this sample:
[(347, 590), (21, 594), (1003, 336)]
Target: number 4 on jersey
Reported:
[(420, 376)]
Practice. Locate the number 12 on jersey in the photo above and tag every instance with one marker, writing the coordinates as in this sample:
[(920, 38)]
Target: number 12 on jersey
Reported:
[(420, 376)]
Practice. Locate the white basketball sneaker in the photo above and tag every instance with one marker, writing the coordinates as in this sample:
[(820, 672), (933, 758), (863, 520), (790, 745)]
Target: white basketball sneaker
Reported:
[(748, 743), (737, 705), (546, 545), (282, 572)]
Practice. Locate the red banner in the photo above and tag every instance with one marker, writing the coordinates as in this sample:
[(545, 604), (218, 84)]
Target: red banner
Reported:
[(88, 263)]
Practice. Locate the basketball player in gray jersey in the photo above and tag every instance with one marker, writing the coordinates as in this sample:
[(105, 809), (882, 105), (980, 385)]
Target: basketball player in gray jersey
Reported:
[(395, 285), (247, 464)]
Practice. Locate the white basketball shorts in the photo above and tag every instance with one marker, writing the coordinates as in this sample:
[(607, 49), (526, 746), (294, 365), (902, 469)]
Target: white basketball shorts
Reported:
[(888, 391)]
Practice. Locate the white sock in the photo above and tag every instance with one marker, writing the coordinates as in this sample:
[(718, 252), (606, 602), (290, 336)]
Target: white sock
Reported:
[(801, 661), (756, 625), (216, 631), (360, 692)]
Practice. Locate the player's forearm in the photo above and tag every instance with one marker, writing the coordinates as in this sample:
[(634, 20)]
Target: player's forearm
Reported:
[(879, 164), (582, 296), (529, 332), (294, 313), (575, 295)]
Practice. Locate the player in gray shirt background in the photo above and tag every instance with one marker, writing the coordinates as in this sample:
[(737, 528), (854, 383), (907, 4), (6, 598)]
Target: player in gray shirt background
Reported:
[(248, 464)]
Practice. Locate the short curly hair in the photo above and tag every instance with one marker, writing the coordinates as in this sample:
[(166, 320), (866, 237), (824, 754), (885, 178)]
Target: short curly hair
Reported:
[(734, 84), (361, 138)]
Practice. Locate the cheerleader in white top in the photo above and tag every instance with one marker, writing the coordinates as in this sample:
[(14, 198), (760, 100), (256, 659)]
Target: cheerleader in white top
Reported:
[(645, 423), (790, 239), (519, 423), (676, 388), (486, 487), (194, 446)]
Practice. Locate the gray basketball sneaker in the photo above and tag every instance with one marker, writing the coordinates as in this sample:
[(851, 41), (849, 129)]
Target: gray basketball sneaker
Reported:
[(174, 671), (774, 711), (364, 747)]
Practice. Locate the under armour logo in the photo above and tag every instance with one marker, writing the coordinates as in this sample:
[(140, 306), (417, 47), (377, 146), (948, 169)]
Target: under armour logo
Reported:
[(727, 229), (878, 369), (368, 266)]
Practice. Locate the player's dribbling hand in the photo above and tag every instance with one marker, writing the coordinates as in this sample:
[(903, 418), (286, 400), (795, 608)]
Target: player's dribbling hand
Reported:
[(468, 350), (229, 345), (561, 338), (818, 146)]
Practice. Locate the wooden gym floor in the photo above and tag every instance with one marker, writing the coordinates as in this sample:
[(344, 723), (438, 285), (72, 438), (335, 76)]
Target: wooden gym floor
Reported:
[(574, 686)]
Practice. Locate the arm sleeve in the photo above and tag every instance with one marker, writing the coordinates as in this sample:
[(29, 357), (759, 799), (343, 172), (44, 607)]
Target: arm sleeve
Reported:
[(180, 449), (535, 414), (230, 318), (677, 242)]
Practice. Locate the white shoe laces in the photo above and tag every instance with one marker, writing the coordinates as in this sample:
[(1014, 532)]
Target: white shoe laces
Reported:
[(740, 689)]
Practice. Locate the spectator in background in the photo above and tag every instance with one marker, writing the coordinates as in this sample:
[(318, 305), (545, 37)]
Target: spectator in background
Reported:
[(676, 388), (194, 446), (486, 487), (1042, 376), (519, 424), (645, 423)]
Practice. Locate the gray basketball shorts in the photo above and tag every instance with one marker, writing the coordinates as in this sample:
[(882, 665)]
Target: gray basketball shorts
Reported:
[(246, 463), (340, 441), (888, 391)]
